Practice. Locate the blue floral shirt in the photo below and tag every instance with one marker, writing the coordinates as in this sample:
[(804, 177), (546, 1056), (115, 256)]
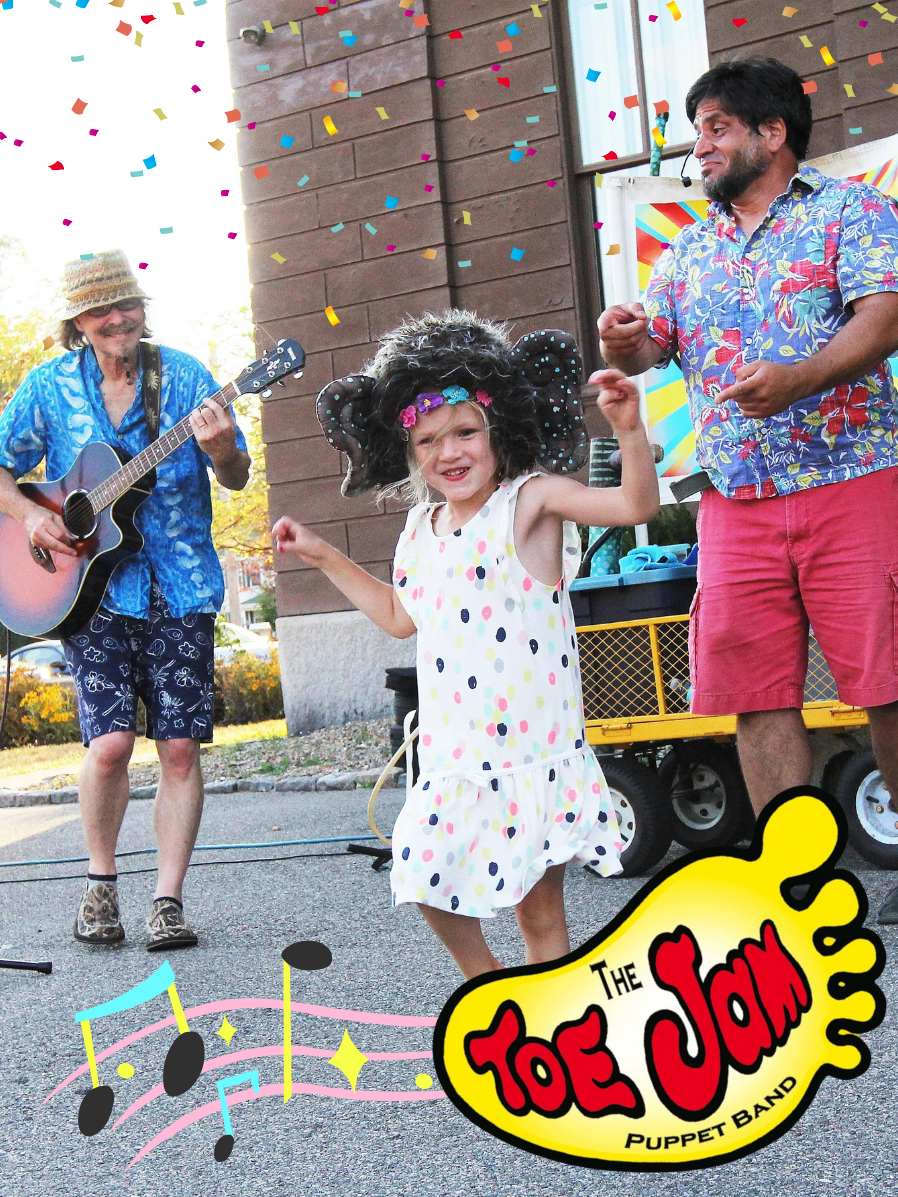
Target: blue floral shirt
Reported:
[(780, 295), (58, 409)]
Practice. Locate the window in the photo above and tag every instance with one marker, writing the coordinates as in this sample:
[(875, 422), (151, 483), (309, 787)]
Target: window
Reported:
[(634, 55)]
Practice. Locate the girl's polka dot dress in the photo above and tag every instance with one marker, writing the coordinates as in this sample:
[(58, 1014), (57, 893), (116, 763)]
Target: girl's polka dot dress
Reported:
[(508, 785)]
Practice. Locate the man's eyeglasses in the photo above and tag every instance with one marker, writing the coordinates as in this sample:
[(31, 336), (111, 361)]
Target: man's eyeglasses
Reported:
[(123, 305)]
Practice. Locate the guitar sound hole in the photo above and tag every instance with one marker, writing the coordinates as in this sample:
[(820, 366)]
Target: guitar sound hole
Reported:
[(79, 515)]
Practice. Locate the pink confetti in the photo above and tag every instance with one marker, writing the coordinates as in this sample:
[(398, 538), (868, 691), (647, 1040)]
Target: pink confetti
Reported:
[(550, 182), (231, 236), (863, 24), (201, 43), (18, 141), (94, 132), (2, 137), (226, 193), (653, 18), (142, 265), (428, 186), (496, 67), (66, 223), (251, 125), (611, 115), (194, 88), (598, 224), (531, 151), (390, 248), (425, 157), (441, 82)]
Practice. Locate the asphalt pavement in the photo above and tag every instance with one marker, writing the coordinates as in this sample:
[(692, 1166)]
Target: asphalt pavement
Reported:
[(385, 961)]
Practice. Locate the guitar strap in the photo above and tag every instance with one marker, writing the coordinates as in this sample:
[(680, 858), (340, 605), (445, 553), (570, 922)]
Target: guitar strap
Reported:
[(151, 363)]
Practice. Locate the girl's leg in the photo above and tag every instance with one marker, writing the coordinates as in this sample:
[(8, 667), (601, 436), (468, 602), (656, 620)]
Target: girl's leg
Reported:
[(541, 918), (463, 937)]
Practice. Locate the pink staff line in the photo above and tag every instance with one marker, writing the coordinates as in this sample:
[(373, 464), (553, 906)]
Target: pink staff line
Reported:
[(253, 1054), (389, 1020), (213, 1107)]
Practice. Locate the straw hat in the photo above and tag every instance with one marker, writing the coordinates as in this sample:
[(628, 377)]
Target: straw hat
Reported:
[(104, 278)]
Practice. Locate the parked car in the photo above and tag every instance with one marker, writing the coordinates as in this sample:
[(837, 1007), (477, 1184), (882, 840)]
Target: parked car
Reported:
[(45, 659), (231, 639)]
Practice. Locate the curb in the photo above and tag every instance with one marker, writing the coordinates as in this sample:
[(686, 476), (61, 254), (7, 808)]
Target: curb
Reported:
[(364, 779)]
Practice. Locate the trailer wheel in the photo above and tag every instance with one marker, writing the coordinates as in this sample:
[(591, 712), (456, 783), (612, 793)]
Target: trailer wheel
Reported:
[(643, 813), (708, 796), (872, 826)]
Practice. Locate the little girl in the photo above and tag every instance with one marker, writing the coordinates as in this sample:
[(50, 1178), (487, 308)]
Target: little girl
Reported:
[(509, 790)]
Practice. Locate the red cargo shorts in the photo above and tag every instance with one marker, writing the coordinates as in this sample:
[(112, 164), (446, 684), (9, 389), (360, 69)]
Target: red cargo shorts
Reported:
[(769, 569)]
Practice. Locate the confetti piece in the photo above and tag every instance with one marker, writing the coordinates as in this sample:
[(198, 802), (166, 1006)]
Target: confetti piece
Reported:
[(331, 315), (441, 82), (739, 22), (294, 26), (391, 202), (521, 144), (430, 254), (809, 88), (57, 165), (874, 59), (371, 229), (592, 75), (512, 29), (613, 249), (354, 95), (338, 87), (251, 125), (170, 229), (651, 18), (674, 11), (789, 12), (496, 67), (826, 56), (77, 58), (536, 13), (598, 224), (179, 10), (659, 139), (349, 40), (428, 186), (233, 115), (425, 157), (86, 257), (631, 101), (150, 162), (278, 258), (261, 172), (231, 236), (136, 174), (516, 255), (286, 141), (532, 120), (472, 114), (600, 6), (266, 25), (612, 114), (466, 217), (464, 264), (330, 126), (504, 82), (66, 222), (504, 47), (194, 88), (302, 182), (609, 157), (142, 265), (550, 182), (48, 342), (217, 144), (549, 90), (516, 155), (79, 106), (138, 39), (226, 193), (390, 248), (336, 228), (382, 113), (661, 106), (160, 114), (18, 141), (263, 66), (146, 21), (94, 132), (421, 20), (893, 89), (123, 28), (855, 130), (806, 42), (887, 16), (879, 8), (531, 151), (849, 90), (455, 35)]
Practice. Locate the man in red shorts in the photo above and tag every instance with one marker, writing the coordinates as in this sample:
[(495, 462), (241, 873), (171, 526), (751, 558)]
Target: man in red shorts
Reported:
[(783, 307)]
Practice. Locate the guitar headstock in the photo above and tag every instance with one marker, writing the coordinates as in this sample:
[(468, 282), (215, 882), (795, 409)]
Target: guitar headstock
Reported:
[(287, 357)]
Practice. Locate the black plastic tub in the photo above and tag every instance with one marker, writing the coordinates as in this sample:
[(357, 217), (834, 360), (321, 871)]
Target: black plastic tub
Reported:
[(645, 595)]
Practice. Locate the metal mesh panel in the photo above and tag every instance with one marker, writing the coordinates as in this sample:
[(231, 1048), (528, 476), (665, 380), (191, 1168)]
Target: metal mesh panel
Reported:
[(618, 679), (673, 648), (819, 686)]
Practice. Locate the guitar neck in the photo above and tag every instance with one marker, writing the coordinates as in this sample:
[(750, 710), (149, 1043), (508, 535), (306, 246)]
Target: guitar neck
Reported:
[(122, 480)]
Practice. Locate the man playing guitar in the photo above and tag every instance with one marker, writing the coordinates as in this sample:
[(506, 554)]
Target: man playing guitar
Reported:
[(153, 637)]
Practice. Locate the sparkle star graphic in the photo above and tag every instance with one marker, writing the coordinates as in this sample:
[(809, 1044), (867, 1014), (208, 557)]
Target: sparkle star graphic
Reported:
[(226, 1031), (349, 1060)]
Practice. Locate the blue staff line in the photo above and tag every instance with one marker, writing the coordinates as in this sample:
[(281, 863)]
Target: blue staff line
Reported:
[(334, 839)]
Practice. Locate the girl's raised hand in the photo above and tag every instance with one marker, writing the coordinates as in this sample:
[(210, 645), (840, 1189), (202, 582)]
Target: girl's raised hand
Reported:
[(618, 400), (291, 537)]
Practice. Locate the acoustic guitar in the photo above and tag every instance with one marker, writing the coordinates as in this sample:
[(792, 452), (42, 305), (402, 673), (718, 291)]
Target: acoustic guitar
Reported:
[(43, 593)]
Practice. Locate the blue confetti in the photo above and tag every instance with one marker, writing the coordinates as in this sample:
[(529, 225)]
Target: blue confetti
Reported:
[(354, 95), (302, 182), (521, 144), (532, 120), (592, 75), (371, 229), (335, 228), (150, 162), (516, 155), (512, 29), (170, 229), (516, 255), (548, 90), (349, 41), (391, 202), (286, 141), (136, 174), (463, 264), (266, 67), (87, 257), (75, 57)]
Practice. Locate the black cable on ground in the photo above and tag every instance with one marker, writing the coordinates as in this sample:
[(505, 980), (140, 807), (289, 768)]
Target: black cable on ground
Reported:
[(197, 865)]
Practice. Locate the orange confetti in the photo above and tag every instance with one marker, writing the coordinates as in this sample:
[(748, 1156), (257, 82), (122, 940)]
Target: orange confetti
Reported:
[(504, 47), (809, 88), (123, 28), (233, 115), (631, 101), (261, 172), (79, 106), (338, 87), (874, 59)]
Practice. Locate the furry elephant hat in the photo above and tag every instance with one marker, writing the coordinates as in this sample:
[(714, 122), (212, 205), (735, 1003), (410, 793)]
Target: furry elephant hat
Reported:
[(533, 389)]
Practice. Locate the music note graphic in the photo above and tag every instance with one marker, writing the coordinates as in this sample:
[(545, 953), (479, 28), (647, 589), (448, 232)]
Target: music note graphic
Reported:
[(225, 1144), (306, 955), (183, 1063)]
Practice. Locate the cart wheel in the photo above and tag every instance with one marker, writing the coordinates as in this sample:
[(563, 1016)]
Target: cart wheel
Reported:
[(709, 800), (872, 827), (643, 813)]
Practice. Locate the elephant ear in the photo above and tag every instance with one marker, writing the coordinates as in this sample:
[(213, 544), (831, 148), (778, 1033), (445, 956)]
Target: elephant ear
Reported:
[(344, 413), (550, 361)]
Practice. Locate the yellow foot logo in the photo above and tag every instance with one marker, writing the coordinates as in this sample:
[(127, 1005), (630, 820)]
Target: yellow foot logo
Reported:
[(697, 1026)]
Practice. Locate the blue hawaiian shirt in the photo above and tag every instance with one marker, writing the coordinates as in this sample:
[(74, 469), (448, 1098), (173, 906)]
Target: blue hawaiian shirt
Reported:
[(780, 295), (58, 409)]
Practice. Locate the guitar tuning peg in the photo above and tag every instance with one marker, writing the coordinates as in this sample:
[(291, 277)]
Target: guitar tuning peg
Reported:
[(298, 374), (266, 394), (281, 382)]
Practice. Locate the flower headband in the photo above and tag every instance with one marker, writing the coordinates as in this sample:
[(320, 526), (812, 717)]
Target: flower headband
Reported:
[(428, 400)]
